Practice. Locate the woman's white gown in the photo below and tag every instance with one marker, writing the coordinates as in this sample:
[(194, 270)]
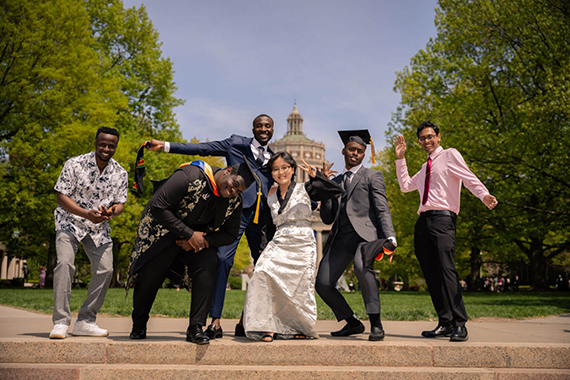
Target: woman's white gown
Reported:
[(281, 294)]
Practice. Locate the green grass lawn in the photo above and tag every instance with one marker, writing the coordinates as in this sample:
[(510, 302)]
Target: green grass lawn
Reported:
[(396, 306)]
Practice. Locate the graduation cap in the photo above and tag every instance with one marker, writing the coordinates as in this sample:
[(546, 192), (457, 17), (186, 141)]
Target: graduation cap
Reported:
[(375, 251), (359, 136), (249, 176), (246, 172), (137, 187)]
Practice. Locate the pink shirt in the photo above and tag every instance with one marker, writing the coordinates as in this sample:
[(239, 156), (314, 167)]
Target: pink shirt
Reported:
[(448, 171)]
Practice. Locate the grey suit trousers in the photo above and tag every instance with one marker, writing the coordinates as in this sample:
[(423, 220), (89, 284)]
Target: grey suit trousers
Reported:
[(337, 258)]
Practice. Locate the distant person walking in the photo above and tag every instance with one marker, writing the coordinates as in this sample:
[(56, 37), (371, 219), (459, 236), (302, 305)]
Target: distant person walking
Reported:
[(91, 189), (25, 272), (439, 184), (42, 276)]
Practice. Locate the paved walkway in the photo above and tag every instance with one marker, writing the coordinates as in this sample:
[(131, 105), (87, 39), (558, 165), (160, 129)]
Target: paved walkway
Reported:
[(21, 324)]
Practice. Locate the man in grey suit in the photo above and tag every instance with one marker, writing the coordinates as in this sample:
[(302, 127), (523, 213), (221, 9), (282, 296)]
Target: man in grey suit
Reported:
[(360, 215)]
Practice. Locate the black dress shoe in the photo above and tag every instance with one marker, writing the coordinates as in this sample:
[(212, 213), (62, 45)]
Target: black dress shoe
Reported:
[(459, 334), (347, 330), (214, 333), (438, 331), (376, 333), (240, 331), (138, 333), (195, 334)]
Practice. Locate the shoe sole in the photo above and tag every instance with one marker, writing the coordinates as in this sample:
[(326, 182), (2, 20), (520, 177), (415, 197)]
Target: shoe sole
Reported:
[(56, 336), (349, 334), (437, 336), (459, 339), (93, 336), (375, 339)]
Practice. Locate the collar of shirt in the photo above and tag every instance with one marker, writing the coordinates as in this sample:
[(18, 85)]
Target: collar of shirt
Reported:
[(436, 153), (354, 169), (255, 145)]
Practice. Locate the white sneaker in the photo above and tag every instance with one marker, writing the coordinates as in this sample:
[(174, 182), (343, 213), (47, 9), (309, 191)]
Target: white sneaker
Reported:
[(59, 331), (84, 328)]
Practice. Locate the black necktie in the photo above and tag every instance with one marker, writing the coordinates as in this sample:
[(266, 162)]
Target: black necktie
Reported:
[(346, 181), (260, 156)]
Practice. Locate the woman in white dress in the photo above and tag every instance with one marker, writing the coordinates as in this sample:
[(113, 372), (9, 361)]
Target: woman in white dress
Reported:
[(280, 300)]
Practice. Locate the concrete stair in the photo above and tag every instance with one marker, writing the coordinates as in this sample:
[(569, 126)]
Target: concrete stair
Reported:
[(238, 358), (537, 349)]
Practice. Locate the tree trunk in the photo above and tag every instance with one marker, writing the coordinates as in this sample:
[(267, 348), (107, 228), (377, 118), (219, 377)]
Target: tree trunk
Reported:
[(538, 276), (476, 262)]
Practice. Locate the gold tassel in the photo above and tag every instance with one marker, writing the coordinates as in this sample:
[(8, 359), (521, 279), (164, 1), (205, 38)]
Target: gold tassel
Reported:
[(373, 154), (256, 217)]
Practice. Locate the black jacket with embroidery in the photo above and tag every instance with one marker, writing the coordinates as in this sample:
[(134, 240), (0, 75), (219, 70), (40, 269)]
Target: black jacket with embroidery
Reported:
[(184, 202)]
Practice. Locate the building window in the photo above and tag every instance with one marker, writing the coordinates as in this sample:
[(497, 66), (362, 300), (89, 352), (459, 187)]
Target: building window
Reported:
[(318, 155), (294, 153)]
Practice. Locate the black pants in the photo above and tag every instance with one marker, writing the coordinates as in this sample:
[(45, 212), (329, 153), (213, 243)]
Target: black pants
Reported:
[(202, 269), (336, 259), (434, 242)]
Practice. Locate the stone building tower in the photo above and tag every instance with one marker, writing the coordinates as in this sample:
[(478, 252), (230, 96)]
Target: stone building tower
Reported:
[(300, 146)]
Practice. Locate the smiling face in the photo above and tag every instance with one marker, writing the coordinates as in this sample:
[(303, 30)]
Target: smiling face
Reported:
[(353, 154), (263, 129), (105, 147), (429, 140), (282, 172), (230, 185)]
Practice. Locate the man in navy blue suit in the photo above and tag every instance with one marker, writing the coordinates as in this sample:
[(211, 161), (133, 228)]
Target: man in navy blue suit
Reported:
[(234, 149)]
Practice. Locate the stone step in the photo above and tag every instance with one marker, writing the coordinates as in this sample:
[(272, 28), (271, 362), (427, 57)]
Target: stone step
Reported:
[(203, 372), (321, 352)]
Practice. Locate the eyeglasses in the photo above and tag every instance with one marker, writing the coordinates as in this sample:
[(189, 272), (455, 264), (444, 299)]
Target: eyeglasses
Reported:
[(426, 138), (281, 169)]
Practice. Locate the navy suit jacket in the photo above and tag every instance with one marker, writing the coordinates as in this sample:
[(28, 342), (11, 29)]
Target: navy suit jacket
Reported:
[(233, 149)]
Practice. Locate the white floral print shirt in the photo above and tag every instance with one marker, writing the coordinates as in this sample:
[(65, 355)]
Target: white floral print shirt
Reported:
[(81, 180)]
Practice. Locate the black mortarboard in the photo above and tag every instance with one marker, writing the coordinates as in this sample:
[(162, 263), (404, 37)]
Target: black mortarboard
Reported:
[(375, 250), (137, 187), (249, 176), (246, 172), (360, 136)]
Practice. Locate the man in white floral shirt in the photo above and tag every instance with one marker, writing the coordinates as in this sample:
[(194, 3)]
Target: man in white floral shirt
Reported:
[(91, 189)]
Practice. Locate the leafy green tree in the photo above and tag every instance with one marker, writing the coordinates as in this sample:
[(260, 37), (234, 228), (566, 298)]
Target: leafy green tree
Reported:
[(496, 79), (54, 91)]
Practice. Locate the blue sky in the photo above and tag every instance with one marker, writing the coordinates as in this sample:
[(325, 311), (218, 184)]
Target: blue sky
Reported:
[(236, 59)]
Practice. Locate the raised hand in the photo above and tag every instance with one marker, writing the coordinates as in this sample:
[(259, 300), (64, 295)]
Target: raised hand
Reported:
[(400, 146), (490, 201), (327, 170), (154, 144), (309, 169)]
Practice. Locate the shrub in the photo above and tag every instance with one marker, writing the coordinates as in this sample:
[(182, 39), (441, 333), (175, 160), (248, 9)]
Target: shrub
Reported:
[(235, 282)]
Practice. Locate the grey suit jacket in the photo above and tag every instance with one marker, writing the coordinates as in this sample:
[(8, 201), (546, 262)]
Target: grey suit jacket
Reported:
[(366, 207)]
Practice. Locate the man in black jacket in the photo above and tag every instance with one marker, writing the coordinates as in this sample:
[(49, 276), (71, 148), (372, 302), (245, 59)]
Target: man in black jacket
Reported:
[(195, 211)]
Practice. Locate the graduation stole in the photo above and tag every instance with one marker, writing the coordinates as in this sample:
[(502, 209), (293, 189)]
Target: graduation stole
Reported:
[(207, 169)]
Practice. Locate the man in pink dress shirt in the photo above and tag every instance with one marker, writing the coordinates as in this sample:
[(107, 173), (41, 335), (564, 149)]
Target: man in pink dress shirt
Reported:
[(439, 184)]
